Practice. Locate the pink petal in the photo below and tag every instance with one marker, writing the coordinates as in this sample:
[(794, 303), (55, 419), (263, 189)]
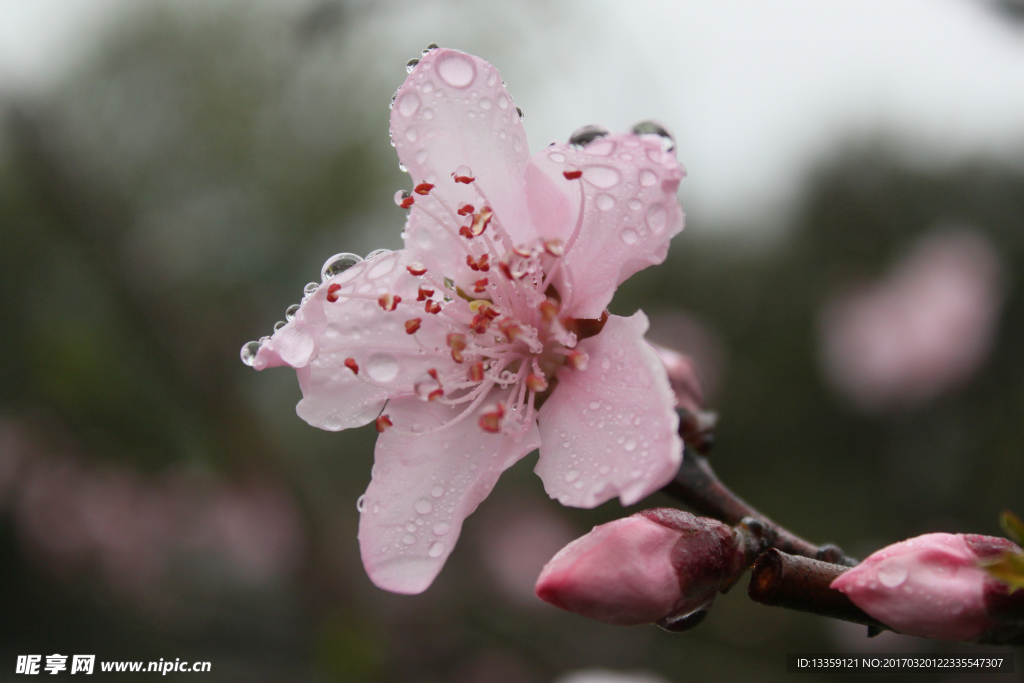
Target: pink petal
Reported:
[(631, 211), (610, 430), (424, 486), (451, 112), (389, 360)]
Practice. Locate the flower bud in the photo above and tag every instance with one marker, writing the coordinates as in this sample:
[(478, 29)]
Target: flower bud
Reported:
[(932, 586), (659, 565)]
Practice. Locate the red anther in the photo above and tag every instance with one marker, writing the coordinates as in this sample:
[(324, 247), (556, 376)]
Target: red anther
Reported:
[(412, 325), (554, 247), (536, 383), (548, 309), (577, 360), (490, 418), (572, 174), (457, 343), (416, 268), (408, 202), (479, 323), (432, 307), (483, 263), (466, 232), (424, 293), (352, 365), (503, 267), (465, 209), (389, 301), (490, 311), (523, 251), (480, 221), (480, 285), (383, 422), (476, 373), (439, 391), (463, 179), (510, 329), (423, 188), (332, 292)]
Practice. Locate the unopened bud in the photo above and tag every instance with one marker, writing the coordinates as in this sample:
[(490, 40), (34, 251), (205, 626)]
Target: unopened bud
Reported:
[(933, 586), (659, 565)]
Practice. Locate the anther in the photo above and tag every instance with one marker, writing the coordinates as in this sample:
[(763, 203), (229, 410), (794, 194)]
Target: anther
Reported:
[(480, 285), (423, 188), (457, 343), (432, 307), (383, 422), (555, 247), (480, 221), (412, 325), (484, 307), (491, 417), (463, 174), (577, 360), (404, 199), (465, 209), (352, 365), (572, 174), (548, 309), (482, 263), (479, 323), (416, 268), (510, 329), (389, 301), (476, 373), (466, 232), (424, 293), (536, 383), (332, 292)]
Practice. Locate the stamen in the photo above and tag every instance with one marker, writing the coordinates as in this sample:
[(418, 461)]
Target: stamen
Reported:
[(389, 301), (432, 307), (491, 418), (476, 372), (480, 286), (383, 422), (577, 360), (352, 365), (536, 383), (412, 325), (480, 221), (465, 209), (428, 386), (480, 323), (423, 188), (466, 232), (463, 174), (572, 173), (424, 293), (548, 309), (510, 329), (404, 199), (480, 264), (416, 268), (555, 247), (332, 292), (457, 343)]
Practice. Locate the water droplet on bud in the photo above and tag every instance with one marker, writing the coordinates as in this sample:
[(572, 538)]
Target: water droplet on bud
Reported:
[(668, 143), (279, 324), (338, 264), (310, 289), (585, 135), (249, 351), (411, 64), (289, 313), (520, 112), (377, 253)]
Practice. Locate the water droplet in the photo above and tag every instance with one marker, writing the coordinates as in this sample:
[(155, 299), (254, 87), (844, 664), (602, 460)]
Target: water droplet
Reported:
[(421, 156), (464, 171), (428, 114), (410, 527), (428, 48), (630, 445), (657, 218), (248, 352), (377, 253), (310, 289), (892, 574), (457, 70), (572, 475), (279, 324), (411, 135), (436, 549), (503, 102), (520, 112), (485, 104), (428, 87), (602, 176), (411, 64), (338, 264), (668, 143), (441, 528), (585, 135), (408, 539), (391, 104), (629, 236), (648, 177), (402, 168), (382, 367), (291, 311), (635, 204), (423, 506), (401, 196), (361, 503), (594, 405), (408, 104), (437, 491), (601, 148)]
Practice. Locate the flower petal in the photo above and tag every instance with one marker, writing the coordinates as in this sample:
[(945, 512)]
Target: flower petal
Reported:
[(631, 211), (453, 111), (355, 326), (424, 486), (610, 429)]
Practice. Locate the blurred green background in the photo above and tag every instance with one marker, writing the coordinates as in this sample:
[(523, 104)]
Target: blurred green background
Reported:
[(167, 197)]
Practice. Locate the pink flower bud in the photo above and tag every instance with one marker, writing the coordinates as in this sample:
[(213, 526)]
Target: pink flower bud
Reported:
[(931, 586), (658, 565)]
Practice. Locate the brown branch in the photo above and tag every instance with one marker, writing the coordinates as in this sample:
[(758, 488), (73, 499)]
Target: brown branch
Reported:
[(699, 487)]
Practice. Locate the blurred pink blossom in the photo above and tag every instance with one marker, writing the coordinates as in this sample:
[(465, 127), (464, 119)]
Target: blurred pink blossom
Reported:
[(922, 330), (931, 586), (487, 336)]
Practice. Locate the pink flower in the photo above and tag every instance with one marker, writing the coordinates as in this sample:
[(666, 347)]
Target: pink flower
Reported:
[(487, 336), (931, 586), (656, 566)]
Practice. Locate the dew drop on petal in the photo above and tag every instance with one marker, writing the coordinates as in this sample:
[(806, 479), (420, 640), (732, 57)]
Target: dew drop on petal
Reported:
[(411, 135), (520, 112), (436, 549), (248, 352), (585, 135), (457, 70), (408, 104), (602, 176), (657, 218), (361, 503), (634, 204), (382, 367), (648, 177), (310, 289), (892, 574), (441, 528), (485, 104), (279, 324), (338, 264), (572, 475), (437, 491), (668, 143), (411, 64), (630, 445), (423, 506), (291, 311), (629, 236), (428, 114), (604, 201), (408, 539), (377, 253)]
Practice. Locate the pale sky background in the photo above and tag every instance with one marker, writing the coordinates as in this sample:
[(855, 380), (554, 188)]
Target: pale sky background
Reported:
[(755, 91)]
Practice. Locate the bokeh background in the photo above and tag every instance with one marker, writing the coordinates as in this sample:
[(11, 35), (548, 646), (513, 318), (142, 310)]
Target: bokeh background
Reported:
[(173, 173)]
